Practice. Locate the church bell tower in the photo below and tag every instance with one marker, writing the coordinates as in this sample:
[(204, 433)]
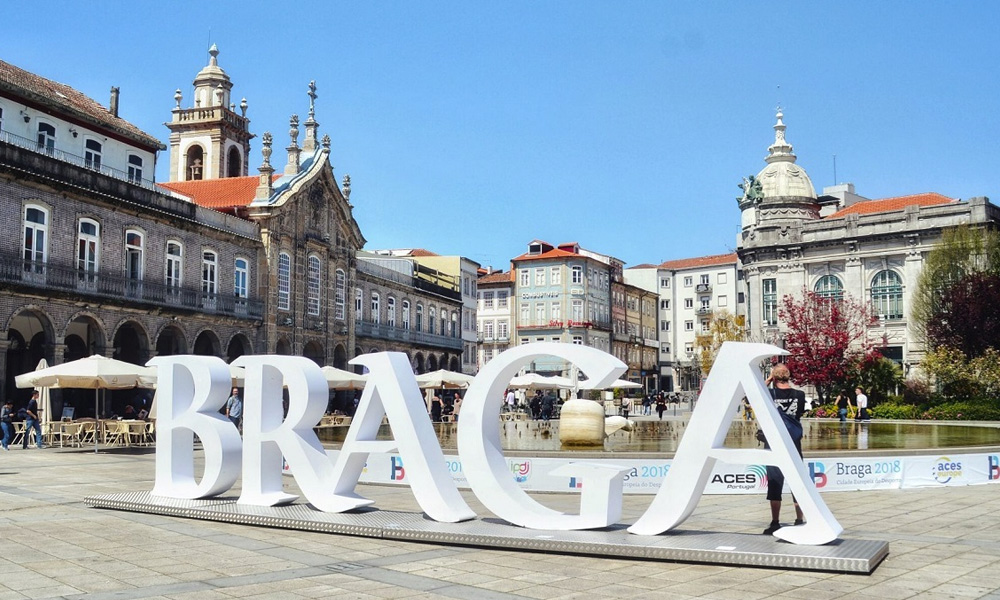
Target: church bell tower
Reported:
[(209, 140)]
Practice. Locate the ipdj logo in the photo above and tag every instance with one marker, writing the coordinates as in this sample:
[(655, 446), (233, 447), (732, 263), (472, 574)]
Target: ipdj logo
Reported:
[(397, 472), (994, 472), (575, 483), (521, 471), (817, 471), (946, 469)]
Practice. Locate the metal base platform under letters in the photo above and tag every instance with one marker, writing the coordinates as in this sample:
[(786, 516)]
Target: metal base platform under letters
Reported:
[(848, 556)]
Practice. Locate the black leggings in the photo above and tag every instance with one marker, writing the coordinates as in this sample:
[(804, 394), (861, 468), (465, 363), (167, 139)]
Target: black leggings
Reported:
[(775, 478)]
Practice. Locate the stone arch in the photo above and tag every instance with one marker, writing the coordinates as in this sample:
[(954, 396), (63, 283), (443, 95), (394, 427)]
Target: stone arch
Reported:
[(340, 357), (314, 352), (207, 343), (194, 163), (418, 363), (234, 162), (283, 347), (432, 363), (455, 365), (238, 345), (84, 335), (30, 335), (130, 342), (171, 340)]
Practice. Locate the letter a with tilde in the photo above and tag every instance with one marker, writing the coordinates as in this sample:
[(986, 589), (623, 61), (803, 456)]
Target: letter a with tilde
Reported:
[(734, 374), (392, 392), (190, 392)]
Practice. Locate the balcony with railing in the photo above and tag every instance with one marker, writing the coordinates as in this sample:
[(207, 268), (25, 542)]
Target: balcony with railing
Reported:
[(56, 278), (80, 161), (702, 288), (703, 311), (381, 331)]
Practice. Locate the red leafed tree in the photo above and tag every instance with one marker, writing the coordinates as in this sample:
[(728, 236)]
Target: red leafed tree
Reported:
[(828, 340)]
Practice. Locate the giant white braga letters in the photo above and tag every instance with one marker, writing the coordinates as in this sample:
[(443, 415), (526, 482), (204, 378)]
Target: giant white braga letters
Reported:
[(192, 389)]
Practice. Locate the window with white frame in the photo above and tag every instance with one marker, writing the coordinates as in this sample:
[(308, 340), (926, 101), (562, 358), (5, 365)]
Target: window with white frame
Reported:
[(664, 325), (340, 295), (539, 276), (769, 301), (134, 168), (887, 295), (454, 324), (488, 330), (689, 348), (665, 348), (577, 275), (704, 279), (431, 313), (314, 285), (524, 278), (704, 326), (706, 302), (830, 286), (721, 278), (46, 138), (390, 311), (376, 308), (359, 304), (555, 275), (134, 260), (540, 313), (503, 331), (689, 303), (284, 281), (577, 314), (420, 318), (664, 304), (525, 314), (664, 282), (88, 249), (241, 277), (92, 154), (405, 314), (578, 340), (502, 299), (723, 301), (487, 300), (209, 272), (688, 325), (174, 275), (444, 322), (688, 281), (556, 311)]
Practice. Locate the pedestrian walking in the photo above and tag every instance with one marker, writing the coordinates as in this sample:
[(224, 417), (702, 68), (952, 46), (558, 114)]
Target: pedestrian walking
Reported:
[(843, 405), (31, 421), (234, 408), (862, 402), (7, 422)]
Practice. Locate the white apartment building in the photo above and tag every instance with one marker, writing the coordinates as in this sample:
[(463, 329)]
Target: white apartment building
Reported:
[(495, 315), (691, 291)]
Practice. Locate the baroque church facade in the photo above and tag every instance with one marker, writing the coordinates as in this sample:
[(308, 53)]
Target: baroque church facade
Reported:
[(213, 262), (839, 243)]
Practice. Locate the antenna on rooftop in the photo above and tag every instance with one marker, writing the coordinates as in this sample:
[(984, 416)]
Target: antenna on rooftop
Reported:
[(834, 169)]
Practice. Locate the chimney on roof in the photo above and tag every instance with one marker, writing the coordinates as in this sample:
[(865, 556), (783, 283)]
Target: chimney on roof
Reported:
[(113, 107)]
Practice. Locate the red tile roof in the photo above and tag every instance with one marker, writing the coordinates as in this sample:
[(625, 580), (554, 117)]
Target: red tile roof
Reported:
[(421, 252), (59, 96), (219, 193), (701, 261), (498, 277), (554, 253), (868, 207), (644, 266)]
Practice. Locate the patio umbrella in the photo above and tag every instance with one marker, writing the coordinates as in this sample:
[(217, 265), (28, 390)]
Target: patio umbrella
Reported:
[(534, 380), (442, 379), (94, 372), (617, 383), (44, 397), (339, 379)]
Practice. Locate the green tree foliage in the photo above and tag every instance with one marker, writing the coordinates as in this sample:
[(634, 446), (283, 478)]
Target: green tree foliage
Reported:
[(964, 264), (880, 378), (960, 377), (724, 327)]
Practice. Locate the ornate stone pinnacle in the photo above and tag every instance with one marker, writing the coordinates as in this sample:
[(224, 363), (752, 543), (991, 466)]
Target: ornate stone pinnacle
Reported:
[(346, 187), (243, 106), (293, 130), (326, 141), (266, 147), (178, 96)]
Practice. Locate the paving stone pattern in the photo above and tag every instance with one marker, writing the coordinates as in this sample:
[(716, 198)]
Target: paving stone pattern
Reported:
[(944, 543)]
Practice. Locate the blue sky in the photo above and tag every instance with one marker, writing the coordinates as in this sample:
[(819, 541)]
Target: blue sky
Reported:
[(473, 128)]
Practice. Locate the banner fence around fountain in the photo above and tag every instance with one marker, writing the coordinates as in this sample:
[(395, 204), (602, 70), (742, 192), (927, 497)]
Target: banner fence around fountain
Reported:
[(644, 476)]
